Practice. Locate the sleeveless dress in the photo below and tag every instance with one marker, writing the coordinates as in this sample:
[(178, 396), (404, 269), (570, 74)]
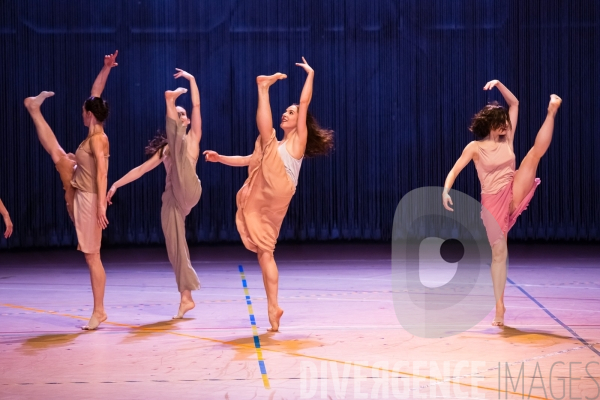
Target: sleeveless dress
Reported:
[(264, 198), (496, 171), (182, 193), (85, 204)]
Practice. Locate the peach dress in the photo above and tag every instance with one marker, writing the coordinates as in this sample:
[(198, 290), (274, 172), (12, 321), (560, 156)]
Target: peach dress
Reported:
[(264, 199)]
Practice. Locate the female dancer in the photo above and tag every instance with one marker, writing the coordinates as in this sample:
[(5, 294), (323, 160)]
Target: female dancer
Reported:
[(179, 152), (84, 179), (505, 193), (272, 177), (7, 221)]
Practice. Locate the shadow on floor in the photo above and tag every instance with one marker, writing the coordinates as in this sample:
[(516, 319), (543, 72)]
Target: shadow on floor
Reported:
[(245, 347), (532, 337), (43, 342), (146, 331)]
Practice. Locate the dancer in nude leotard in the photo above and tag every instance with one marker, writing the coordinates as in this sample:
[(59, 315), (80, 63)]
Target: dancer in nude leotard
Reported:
[(505, 193), (179, 152), (272, 176), (84, 179), (7, 221)]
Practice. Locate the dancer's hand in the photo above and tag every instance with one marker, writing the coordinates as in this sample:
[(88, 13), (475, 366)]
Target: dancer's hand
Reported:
[(109, 60), (306, 67), (491, 84), (447, 199), (111, 192), (102, 221), (183, 74), (9, 226), (211, 156)]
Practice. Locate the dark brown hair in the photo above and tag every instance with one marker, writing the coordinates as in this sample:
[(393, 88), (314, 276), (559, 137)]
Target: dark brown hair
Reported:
[(319, 141), (492, 116), (98, 107), (157, 143)]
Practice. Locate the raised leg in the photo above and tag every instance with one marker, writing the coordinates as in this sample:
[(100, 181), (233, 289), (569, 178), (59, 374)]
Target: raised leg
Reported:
[(170, 97), (98, 279), (271, 280), (44, 132), (498, 270), (525, 176), (264, 117)]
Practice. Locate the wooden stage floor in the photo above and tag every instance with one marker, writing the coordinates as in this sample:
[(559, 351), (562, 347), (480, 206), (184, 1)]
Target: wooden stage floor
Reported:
[(339, 338)]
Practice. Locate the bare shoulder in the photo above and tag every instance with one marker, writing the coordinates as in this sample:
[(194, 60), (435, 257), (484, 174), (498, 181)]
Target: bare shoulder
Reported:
[(472, 150), (472, 147), (99, 142), (99, 139)]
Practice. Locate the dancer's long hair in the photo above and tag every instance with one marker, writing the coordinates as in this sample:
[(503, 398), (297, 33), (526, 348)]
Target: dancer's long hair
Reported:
[(319, 141), (492, 116), (157, 143)]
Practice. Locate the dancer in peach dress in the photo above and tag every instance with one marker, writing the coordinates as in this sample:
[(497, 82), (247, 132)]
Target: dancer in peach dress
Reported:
[(505, 192), (273, 171)]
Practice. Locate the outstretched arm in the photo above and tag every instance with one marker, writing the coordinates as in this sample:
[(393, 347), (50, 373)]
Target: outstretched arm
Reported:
[(7, 221), (461, 163), (100, 82), (511, 100), (99, 147), (134, 174), (196, 128), (232, 161), (300, 146)]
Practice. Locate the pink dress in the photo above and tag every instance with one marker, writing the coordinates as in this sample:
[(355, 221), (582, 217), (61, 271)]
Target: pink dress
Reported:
[(496, 172)]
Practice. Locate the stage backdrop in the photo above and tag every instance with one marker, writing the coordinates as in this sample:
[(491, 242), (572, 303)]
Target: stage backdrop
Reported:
[(398, 81)]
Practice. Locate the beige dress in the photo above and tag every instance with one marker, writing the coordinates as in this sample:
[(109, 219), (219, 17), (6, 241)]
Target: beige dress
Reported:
[(85, 204), (182, 193)]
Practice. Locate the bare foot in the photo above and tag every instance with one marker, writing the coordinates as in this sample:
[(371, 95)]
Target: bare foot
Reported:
[(35, 102), (266, 81), (555, 102), (274, 318), (183, 308), (499, 318), (95, 321), (174, 94)]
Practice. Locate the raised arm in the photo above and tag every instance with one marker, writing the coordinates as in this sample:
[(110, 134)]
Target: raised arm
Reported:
[(99, 147), (134, 174), (7, 221), (301, 129), (232, 161), (461, 163), (196, 126), (511, 100), (100, 82)]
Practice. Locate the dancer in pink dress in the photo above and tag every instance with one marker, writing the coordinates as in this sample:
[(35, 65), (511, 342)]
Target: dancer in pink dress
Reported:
[(505, 192)]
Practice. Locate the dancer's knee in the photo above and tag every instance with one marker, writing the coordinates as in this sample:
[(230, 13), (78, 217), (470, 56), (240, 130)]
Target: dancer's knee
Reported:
[(499, 252), (92, 259)]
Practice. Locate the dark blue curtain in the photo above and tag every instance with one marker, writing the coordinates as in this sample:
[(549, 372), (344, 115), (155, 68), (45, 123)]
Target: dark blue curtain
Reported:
[(398, 81)]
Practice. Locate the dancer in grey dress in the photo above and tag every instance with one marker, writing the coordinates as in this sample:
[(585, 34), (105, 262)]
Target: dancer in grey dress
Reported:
[(179, 152)]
